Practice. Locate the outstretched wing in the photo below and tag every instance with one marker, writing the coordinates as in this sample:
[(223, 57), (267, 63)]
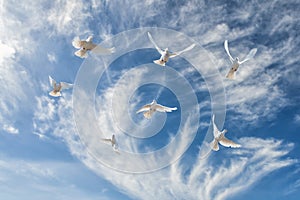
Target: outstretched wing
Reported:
[(152, 41), (77, 43), (101, 50), (144, 108), (216, 131), (228, 143), (227, 51), (65, 85), (250, 55), (52, 81), (161, 108), (82, 53), (172, 55), (106, 140)]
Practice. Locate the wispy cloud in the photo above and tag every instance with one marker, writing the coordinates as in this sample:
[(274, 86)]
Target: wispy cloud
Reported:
[(51, 57), (297, 118), (69, 17), (257, 93), (241, 169), (10, 129), (46, 179)]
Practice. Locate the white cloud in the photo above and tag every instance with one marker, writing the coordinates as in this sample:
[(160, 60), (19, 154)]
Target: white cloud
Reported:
[(6, 52), (10, 129), (293, 188), (237, 173), (297, 118), (69, 17), (239, 169), (51, 57), (43, 179), (259, 95)]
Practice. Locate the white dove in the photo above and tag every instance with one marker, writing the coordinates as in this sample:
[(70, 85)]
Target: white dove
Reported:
[(236, 62), (149, 109), (113, 142), (166, 54), (219, 137), (57, 87), (87, 45)]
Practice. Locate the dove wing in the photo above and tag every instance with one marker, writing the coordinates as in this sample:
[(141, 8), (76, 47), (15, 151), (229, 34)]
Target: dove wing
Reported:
[(144, 108), (52, 81), (106, 140), (101, 50), (152, 41), (250, 55), (227, 51), (65, 85), (77, 43), (216, 131), (172, 55), (161, 108), (228, 143)]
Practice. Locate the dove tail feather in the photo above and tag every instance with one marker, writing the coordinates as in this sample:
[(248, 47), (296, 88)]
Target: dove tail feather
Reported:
[(54, 94), (214, 145), (231, 76), (159, 62), (148, 114)]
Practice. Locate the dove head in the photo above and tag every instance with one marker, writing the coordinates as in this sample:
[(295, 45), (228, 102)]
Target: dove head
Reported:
[(237, 59), (153, 102), (166, 49)]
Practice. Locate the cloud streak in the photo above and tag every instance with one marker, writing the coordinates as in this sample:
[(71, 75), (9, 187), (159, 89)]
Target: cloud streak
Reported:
[(237, 170)]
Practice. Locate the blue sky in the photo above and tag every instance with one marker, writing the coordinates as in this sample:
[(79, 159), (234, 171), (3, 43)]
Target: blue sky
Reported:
[(260, 108)]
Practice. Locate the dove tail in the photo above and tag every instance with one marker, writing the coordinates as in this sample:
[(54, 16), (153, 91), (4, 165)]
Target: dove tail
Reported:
[(148, 114), (54, 94), (214, 145), (230, 75), (159, 62)]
